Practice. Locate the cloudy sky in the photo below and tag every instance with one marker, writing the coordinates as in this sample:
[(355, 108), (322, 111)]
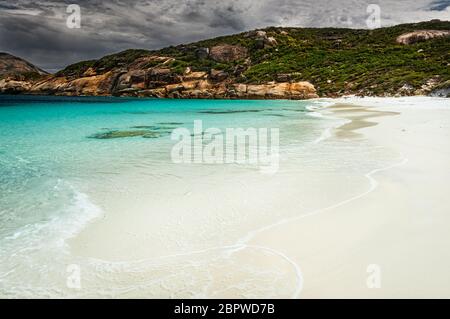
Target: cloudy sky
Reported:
[(36, 29)]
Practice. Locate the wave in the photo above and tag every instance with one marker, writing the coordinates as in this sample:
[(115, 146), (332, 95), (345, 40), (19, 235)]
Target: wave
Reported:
[(39, 251)]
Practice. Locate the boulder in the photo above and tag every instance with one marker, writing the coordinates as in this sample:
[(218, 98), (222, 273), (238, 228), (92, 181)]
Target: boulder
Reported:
[(239, 69), (240, 88), (256, 34), (259, 44), (271, 41), (159, 92), (278, 90), (161, 74), (194, 76), (196, 94), (261, 39), (217, 75), (171, 88), (14, 87), (421, 35), (131, 79), (190, 85), (256, 90), (202, 53), (444, 92), (155, 84), (137, 76), (228, 53), (302, 90), (296, 90), (220, 90), (406, 89), (204, 85)]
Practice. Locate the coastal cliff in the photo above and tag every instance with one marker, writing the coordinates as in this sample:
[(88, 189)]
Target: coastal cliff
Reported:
[(274, 63)]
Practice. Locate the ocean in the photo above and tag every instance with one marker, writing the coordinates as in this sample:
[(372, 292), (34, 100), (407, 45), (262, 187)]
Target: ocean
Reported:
[(92, 203)]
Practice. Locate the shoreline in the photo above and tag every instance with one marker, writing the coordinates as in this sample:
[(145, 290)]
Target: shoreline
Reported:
[(349, 244), (243, 98), (308, 265), (356, 193)]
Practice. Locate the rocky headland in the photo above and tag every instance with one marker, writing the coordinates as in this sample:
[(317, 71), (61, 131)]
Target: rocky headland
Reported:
[(274, 63)]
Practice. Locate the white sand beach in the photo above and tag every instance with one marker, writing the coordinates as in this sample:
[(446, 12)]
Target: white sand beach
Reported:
[(226, 237), (401, 220)]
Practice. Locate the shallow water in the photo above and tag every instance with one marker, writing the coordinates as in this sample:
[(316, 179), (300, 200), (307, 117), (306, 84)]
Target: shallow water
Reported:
[(66, 164)]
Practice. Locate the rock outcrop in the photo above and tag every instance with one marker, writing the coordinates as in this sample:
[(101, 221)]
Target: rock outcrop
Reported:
[(421, 35), (262, 40), (16, 74), (9, 86), (88, 85), (206, 88), (159, 81), (296, 90), (228, 53), (155, 76)]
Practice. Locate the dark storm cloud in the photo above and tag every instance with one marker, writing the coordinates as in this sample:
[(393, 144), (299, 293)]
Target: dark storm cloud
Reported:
[(439, 5), (7, 6), (50, 46), (37, 31)]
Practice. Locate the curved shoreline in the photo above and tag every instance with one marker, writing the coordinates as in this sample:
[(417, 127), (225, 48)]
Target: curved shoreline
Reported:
[(243, 243), (377, 209)]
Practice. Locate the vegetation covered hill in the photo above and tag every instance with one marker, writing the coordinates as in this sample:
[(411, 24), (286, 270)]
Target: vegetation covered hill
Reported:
[(336, 61)]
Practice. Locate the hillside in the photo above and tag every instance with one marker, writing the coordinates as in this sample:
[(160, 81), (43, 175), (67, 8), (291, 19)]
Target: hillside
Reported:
[(275, 62), (18, 69)]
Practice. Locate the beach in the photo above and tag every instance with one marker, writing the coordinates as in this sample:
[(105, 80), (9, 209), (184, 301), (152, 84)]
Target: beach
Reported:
[(358, 208), (398, 222), (394, 216)]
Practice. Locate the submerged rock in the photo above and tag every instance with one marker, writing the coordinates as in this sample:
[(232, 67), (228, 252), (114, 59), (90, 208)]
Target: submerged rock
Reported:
[(130, 133), (152, 135), (118, 134), (228, 111), (171, 123), (143, 126)]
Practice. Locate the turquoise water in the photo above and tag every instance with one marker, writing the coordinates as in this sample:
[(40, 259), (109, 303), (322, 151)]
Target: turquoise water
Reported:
[(51, 164), (45, 140)]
